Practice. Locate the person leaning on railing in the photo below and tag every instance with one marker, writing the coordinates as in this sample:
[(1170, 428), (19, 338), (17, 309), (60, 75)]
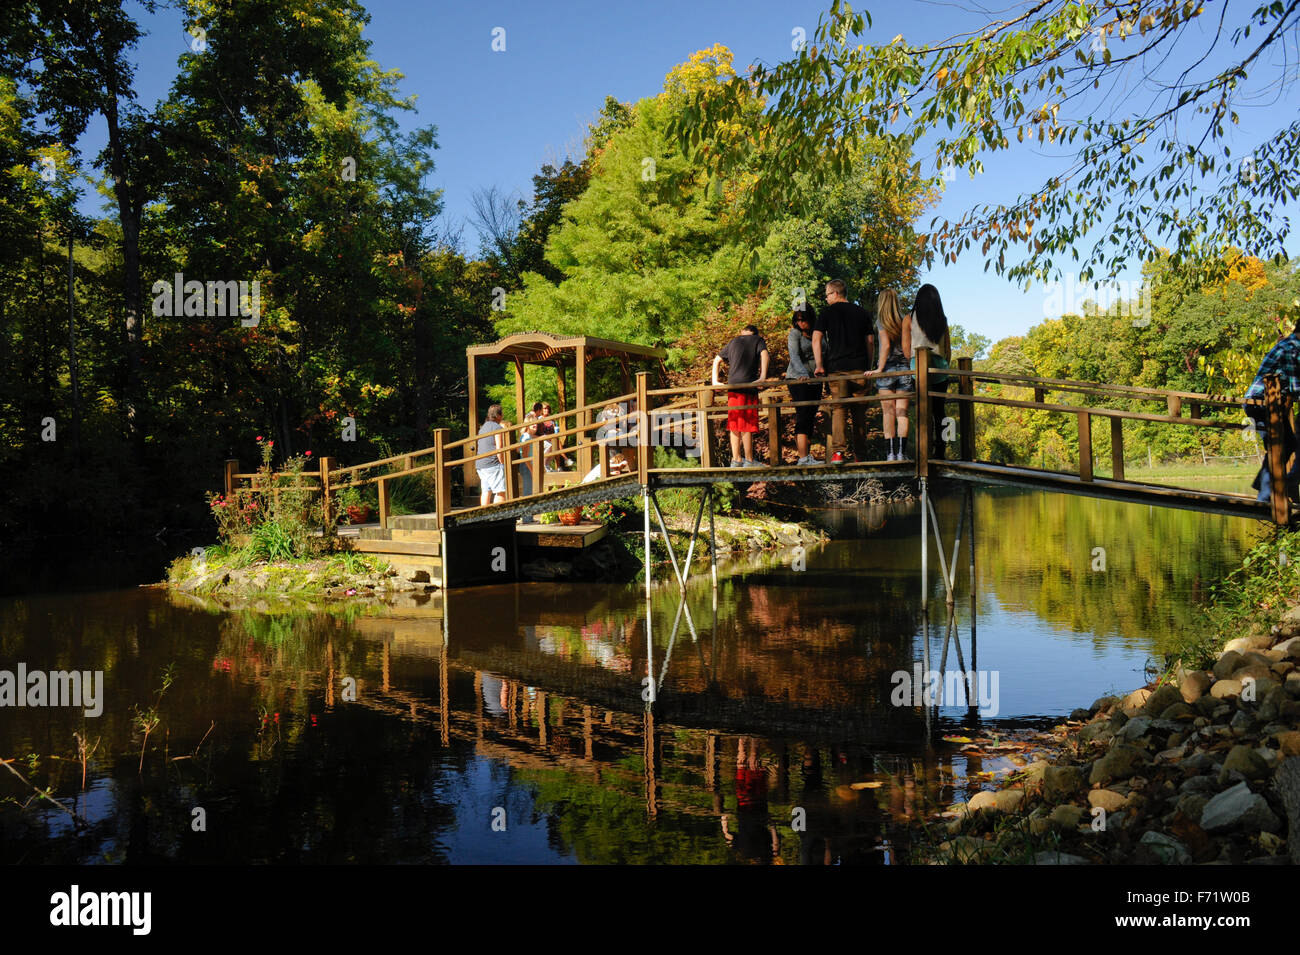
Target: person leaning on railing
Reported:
[(803, 386), (930, 331), (843, 340), (1282, 360), (491, 470)]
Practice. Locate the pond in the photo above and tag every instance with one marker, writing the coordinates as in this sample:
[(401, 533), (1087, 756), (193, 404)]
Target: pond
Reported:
[(534, 723)]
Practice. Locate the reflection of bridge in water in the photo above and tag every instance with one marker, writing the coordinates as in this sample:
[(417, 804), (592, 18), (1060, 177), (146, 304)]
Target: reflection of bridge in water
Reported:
[(540, 712)]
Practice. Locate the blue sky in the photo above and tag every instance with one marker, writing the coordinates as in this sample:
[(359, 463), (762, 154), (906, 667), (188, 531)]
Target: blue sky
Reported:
[(500, 115)]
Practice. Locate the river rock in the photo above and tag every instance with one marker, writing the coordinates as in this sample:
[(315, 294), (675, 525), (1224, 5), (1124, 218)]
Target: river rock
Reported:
[(1062, 781), (1099, 731), (1103, 703), (1245, 760), (1292, 684), (1286, 783), (1107, 799), (1226, 663), (1080, 715), (1288, 742), (1134, 702), (1255, 658), (1246, 644), (1179, 711), (1066, 816), (1009, 800), (1225, 689), (1135, 728), (1271, 708), (982, 800), (1191, 805), (1162, 849), (1163, 697), (1238, 807), (1194, 685), (1121, 762), (1206, 706)]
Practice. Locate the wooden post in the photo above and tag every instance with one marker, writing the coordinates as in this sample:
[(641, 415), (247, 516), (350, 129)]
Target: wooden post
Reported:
[(643, 446), (520, 400), (966, 411), (1194, 408), (442, 480), (922, 414), (584, 414), (383, 502), (1040, 395), (539, 465), (512, 479), (1117, 449), (232, 468), (1175, 406), (562, 403), (704, 401), (471, 475), (773, 431), (1275, 408), (1085, 446), (327, 510)]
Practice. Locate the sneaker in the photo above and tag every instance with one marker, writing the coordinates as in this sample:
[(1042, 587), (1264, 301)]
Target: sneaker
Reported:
[(812, 462), (837, 458), (801, 463), (892, 456), (737, 463), (754, 464)]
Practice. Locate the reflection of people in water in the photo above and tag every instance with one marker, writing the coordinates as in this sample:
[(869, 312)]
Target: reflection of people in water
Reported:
[(756, 838), (494, 695), (814, 841)]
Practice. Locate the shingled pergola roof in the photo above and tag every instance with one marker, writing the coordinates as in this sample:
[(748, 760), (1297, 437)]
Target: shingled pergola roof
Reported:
[(559, 352), (539, 348)]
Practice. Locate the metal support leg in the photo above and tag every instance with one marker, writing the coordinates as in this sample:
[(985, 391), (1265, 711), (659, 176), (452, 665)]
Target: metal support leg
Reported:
[(663, 529), (925, 547), (713, 550), (970, 546)]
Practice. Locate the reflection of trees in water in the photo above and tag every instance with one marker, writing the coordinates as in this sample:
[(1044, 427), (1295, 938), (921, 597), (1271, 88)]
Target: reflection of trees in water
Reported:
[(1037, 552)]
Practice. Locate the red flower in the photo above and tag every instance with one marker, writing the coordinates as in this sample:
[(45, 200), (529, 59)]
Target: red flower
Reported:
[(259, 437), (307, 453)]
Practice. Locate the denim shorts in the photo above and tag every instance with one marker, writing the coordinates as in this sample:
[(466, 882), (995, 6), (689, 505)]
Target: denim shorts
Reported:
[(895, 382)]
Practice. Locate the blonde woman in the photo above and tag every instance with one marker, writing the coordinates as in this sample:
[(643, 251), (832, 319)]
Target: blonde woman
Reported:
[(895, 347)]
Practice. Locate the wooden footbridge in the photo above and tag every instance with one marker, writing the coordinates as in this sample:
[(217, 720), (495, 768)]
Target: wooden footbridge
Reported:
[(605, 450)]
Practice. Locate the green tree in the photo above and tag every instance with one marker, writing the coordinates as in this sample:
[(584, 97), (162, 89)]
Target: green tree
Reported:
[(1120, 87)]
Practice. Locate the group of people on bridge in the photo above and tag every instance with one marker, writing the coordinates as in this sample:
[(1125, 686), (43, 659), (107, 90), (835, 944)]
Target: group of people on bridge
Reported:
[(841, 340)]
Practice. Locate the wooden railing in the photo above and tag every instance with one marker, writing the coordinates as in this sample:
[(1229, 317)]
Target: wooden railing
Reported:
[(610, 448)]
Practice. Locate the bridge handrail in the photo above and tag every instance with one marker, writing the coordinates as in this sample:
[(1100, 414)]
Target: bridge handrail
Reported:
[(690, 410)]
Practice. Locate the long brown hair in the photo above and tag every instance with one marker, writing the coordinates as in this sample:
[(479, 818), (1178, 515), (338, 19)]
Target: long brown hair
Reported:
[(890, 317)]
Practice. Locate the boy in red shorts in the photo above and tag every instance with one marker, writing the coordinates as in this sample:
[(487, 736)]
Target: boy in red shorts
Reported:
[(746, 358)]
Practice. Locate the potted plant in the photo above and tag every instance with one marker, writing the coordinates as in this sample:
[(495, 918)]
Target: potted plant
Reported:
[(570, 518)]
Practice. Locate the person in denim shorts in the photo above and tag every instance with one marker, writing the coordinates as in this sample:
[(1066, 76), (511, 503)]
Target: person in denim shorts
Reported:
[(895, 344)]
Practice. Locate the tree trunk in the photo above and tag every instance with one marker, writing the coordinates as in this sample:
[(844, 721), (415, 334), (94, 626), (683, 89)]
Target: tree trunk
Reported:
[(129, 215)]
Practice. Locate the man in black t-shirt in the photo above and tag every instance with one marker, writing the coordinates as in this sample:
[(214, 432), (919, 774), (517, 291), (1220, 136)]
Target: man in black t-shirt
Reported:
[(746, 358), (843, 341)]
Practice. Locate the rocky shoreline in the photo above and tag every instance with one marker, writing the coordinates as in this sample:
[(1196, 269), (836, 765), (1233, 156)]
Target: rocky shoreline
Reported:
[(1202, 769)]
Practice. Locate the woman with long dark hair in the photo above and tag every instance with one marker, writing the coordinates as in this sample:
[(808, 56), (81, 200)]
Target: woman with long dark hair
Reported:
[(930, 331), (803, 386)]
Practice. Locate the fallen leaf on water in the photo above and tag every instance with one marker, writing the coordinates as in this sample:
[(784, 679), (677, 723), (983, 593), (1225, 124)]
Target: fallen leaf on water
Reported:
[(870, 785), (958, 739)]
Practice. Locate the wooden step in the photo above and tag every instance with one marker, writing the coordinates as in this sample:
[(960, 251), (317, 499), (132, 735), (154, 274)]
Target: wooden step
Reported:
[(421, 548), (400, 534), (414, 522)]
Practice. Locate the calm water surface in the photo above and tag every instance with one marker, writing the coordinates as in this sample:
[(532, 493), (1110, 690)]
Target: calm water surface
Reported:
[(512, 723)]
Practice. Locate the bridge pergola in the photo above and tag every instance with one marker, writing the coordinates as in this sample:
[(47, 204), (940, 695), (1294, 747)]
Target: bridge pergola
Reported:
[(561, 353)]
